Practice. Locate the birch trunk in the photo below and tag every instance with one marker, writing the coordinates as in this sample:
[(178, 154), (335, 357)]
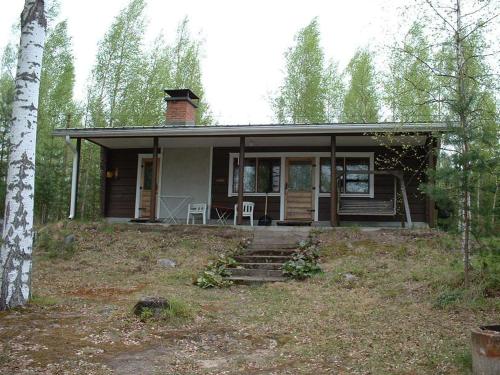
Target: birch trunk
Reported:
[(17, 246)]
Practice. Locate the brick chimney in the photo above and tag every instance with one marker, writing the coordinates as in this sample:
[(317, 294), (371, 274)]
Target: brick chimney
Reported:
[(181, 109)]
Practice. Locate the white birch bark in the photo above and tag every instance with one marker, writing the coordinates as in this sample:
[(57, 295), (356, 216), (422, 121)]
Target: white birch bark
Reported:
[(17, 246)]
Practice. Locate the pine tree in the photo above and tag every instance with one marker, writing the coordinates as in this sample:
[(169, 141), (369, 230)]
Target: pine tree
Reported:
[(361, 101), (465, 83)]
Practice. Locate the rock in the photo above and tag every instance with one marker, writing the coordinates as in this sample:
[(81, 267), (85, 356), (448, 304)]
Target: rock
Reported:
[(167, 263), (349, 277), (69, 239), (349, 246), (273, 344), (155, 304), (212, 363)]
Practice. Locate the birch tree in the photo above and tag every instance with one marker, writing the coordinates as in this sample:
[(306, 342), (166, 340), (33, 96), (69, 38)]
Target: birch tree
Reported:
[(361, 101), (409, 87), (301, 98), (17, 246)]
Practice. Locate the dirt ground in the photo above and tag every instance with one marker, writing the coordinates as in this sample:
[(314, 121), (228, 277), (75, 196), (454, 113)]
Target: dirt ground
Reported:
[(384, 305)]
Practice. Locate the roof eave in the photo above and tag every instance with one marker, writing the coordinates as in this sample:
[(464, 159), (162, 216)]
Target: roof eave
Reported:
[(250, 130)]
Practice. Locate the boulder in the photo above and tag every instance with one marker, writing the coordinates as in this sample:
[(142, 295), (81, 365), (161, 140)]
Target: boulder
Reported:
[(167, 263), (155, 304), (349, 277), (69, 239)]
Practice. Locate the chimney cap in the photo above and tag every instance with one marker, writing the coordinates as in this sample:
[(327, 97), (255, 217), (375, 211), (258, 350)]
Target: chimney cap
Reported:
[(180, 94)]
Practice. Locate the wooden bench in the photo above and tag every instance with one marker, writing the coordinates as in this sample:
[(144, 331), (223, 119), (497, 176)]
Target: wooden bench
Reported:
[(367, 207)]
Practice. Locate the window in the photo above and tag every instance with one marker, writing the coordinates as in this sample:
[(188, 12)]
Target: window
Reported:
[(261, 175), (350, 183)]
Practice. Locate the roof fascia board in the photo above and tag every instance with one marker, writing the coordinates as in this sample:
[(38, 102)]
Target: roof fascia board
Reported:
[(259, 130)]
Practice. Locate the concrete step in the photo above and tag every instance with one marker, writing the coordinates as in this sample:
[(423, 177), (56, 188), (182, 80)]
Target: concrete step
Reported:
[(262, 258), (267, 245), (283, 252), (254, 280), (255, 272), (262, 266)]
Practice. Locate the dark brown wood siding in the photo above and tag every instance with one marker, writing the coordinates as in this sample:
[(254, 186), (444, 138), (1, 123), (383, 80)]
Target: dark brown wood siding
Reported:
[(413, 165), (120, 192)]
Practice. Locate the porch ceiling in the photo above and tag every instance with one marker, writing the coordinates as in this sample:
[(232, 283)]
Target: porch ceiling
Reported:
[(275, 141)]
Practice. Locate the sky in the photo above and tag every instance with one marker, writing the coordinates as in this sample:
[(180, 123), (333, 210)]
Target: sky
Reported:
[(244, 41)]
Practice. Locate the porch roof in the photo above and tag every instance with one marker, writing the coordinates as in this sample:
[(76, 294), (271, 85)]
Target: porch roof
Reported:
[(259, 135)]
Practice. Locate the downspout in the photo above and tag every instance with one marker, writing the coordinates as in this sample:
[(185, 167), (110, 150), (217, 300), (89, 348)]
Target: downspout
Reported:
[(74, 178)]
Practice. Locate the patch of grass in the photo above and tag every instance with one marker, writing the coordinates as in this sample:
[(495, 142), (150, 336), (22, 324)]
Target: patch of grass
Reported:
[(43, 300), (52, 245), (178, 310), (464, 361)]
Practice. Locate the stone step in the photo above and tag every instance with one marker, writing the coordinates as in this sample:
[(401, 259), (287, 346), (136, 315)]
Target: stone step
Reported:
[(267, 245), (255, 280), (262, 266), (283, 252), (255, 272), (262, 258)]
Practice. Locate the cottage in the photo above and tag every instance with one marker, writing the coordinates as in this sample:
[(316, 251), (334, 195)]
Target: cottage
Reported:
[(330, 174)]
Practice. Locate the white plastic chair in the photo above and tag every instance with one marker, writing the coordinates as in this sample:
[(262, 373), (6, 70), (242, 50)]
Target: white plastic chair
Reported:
[(197, 209), (247, 211)]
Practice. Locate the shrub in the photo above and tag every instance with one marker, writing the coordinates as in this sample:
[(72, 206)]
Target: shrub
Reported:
[(53, 245), (146, 314), (447, 298), (304, 264), (213, 275)]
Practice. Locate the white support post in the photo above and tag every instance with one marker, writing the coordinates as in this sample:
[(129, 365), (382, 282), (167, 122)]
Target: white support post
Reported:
[(74, 176), (405, 201)]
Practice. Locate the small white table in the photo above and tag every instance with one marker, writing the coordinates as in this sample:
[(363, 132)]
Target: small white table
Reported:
[(173, 205)]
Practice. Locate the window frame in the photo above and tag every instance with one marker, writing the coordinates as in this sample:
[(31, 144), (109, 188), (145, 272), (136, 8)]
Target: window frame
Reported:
[(353, 155), (317, 155), (235, 158)]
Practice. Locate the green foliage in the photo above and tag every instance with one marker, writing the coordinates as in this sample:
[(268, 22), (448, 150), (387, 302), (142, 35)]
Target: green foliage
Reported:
[(7, 91), (42, 300), (408, 87), (448, 298), (304, 263), (146, 314), (361, 101), (51, 244), (301, 98), (177, 310), (464, 360), (213, 275), (57, 109)]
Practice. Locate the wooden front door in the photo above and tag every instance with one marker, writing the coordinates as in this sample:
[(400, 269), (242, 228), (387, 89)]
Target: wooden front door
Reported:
[(299, 189), (147, 186)]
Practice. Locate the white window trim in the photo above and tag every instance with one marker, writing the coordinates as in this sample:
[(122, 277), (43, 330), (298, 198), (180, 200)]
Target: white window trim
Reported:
[(138, 183), (370, 155), (232, 157), (283, 156)]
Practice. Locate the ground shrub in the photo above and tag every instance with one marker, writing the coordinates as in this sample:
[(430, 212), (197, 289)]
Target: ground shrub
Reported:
[(448, 298), (50, 242), (304, 263), (215, 272), (146, 314)]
